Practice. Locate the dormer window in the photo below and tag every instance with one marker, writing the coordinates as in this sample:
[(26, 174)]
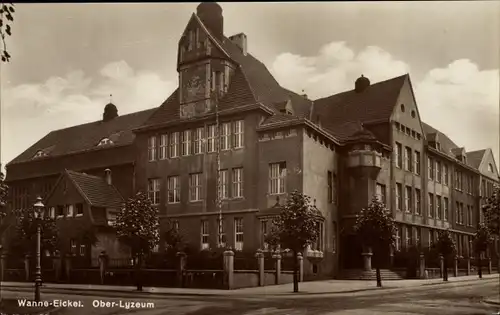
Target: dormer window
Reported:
[(39, 154), (105, 141)]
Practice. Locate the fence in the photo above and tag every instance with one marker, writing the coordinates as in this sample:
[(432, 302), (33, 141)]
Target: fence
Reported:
[(210, 270)]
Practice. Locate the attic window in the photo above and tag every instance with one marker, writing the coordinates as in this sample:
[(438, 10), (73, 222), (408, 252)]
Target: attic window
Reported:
[(105, 141), (39, 154), (413, 114), (490, 168), (403, 108)]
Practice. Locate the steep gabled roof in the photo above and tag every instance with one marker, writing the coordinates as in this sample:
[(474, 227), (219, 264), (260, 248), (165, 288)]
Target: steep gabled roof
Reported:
[(447, 145), (96, 191), (86, 137), (474, 158)]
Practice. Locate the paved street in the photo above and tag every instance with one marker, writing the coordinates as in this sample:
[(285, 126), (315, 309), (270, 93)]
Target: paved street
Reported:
[(449, 298)]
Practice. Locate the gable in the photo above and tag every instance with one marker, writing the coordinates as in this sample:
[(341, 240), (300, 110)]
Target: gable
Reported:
[(488, 166), (64, 192), (405, 110)]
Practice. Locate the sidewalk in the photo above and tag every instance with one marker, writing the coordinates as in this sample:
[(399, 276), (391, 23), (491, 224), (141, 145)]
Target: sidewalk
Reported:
[(306, 288)]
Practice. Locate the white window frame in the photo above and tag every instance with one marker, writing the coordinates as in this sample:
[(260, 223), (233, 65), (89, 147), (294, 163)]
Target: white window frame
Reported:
[(408, 159), (205, 234), (152, 148), (417, 166), (237, 177), (83, 249), (224, 185), (264, 229), (195, 187), (173, 145), (163, 146), (445, 175), (438, 172), (154, 190), (418, 201), (76, 210), (399, 196), (186, 143), (430, 168), (439, 208), (198, 140), (408, 201), (432, 205), (225, 136), (398, 238), (211, 136), (277, 178), (70, 211), (221, 235), (238, 234), (399, 155), (52, 212), (174, 189), (238, 132), (446, 213)]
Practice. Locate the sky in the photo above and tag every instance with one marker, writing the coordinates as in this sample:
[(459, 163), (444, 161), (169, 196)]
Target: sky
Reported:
[(68, 59)]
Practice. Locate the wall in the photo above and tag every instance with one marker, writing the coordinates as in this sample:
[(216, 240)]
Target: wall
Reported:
[(107, 241)]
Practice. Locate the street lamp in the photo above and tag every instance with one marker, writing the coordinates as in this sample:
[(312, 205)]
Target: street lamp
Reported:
[(39, 209)]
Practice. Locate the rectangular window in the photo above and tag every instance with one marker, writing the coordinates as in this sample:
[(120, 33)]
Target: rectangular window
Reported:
[(408, 159), (52, 212), (69, 210), (223, 185), (457, 212), (430, 168), (407, 236), (225, 136), (277, 177), (204, 234), (174, 144), (318, 245), (381, 193), (417, 162), (431, 206), (174, 189), (399, 238), (418, 202), (471, 215), (198, 140), (154, 190), (439, 212), (195, 187), (445, 175), (79, 209), (418, 236), (60, 211), (334, 237), (438, 171), (399, 196), (263, 232), (446, 209), (462, 214), (238, 234), (221, 233), (211, 136), (152, 148), (186, 143), (237, 182), (163, 147), (72, 244), (399, 155), (238, 134), (408, 201), (83, 250)]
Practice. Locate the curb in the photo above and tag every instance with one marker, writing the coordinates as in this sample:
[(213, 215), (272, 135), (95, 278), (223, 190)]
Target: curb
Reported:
[(150, 294), (491, 302)]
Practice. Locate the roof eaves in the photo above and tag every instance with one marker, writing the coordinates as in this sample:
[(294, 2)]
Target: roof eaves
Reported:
[(451, 159), (68, 173)]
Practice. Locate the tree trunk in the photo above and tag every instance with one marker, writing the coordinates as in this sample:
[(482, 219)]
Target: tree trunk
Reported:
[(377, 261), (138, 273), (445, 269), (479, 269), (295, 272)]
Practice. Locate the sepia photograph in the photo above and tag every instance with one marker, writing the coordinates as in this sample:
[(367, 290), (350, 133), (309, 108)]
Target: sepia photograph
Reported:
[(250, 158)]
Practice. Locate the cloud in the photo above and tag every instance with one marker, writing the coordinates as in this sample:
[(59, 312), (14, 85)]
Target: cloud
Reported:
[(459, 99), (30, 111)]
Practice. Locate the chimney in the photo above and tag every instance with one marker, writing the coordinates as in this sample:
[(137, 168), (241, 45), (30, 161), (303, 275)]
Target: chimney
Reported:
[(107, 176), (210, 14), (241, 41)]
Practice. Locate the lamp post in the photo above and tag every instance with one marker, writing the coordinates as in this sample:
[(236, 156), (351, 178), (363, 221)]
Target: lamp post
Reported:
[(39, 209)]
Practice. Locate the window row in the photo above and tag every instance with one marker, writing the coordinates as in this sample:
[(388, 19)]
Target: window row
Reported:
[(265, 228), (486, 188), (464, 182), (280, 134), (230, 186), (437, 171), (464, 215), (408, 131), (408, 159), (74, 249), (197, 141), (67, 211), (221, 233), (412, 199), (439, 207)]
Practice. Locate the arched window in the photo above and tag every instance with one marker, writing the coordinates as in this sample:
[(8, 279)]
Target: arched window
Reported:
[(105, 141), (490, 167)]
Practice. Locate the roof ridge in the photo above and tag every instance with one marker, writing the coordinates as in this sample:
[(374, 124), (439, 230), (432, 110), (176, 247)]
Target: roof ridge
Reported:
[(85, 174)]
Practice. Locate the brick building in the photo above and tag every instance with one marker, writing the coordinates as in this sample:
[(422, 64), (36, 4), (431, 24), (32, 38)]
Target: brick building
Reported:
[(340, 150)]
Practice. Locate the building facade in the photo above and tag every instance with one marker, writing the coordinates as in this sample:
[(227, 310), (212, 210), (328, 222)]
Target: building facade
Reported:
[(228, 145)]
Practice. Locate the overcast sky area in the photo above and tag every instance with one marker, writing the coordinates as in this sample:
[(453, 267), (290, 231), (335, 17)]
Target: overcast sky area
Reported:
[(68, 59)]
